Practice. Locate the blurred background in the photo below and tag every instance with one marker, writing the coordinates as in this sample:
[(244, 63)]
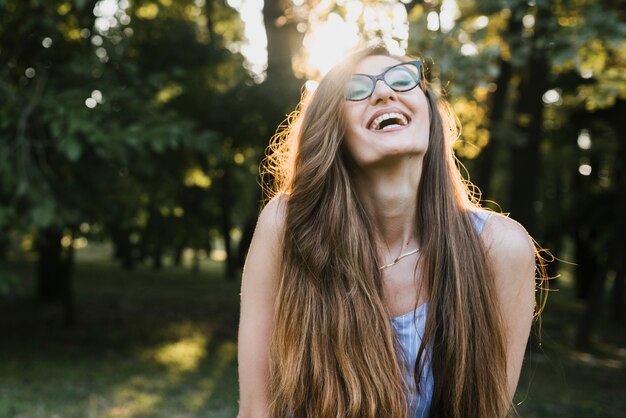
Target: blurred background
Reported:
[(131, 133)]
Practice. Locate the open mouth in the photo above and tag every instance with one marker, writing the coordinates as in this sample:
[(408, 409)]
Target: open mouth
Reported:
[(388, 121)]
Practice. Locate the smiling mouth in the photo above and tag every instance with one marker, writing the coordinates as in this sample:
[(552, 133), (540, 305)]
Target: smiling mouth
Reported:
[(389, 121)]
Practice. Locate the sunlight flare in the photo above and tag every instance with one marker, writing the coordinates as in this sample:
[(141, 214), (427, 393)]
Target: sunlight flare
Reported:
[(183, 355), (329, 42)]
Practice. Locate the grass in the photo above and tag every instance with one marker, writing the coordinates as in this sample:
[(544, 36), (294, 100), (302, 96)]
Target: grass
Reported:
[(570, 388), (559, 381), (163, 344), (148, 344)]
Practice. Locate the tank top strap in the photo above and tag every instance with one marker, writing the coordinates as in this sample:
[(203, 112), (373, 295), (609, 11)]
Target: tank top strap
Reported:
[(479, 218)]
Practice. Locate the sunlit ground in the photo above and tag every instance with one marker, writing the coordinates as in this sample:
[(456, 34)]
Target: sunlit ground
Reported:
[(163, 344), (148, 344)]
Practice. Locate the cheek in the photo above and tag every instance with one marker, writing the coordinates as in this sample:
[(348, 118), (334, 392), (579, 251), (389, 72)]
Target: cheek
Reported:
[(350, 144), (350, 116)]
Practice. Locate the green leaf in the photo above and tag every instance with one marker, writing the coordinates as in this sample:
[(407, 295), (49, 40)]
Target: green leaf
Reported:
[(43, 213), (22, 187), (71, 148), (9, 281), (6, 215)]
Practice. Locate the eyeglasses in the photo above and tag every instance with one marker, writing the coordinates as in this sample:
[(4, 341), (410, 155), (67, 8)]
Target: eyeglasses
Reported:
[(401, 77)]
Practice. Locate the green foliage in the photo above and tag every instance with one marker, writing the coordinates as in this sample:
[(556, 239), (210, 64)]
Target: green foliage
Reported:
[(9, 281), (101, 124), (582, 37)]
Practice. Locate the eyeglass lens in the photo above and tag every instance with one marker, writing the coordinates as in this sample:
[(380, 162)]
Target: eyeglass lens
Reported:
[(402, 77)]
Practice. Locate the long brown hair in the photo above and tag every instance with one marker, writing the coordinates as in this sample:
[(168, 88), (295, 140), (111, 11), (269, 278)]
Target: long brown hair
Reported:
[(333, 352)]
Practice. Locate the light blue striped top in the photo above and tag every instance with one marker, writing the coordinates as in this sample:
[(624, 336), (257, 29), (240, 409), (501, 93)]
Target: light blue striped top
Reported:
[(410, 328)]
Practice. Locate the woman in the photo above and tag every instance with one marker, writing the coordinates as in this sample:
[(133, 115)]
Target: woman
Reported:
[(374, 285)]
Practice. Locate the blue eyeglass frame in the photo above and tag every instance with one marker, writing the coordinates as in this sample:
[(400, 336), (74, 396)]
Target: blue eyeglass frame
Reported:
[(381, 76)]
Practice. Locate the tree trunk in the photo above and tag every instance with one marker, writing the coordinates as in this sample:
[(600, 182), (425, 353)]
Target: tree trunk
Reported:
[(484, 165), (49, 266), (617, 308), (5, 242), (157, 256), (593, 308), (178, 254), (525, 155), (553, 227), (123, 248), (195, 265), (54, 272), (587, 266), (619, 247), (69, 303), (282, 41)]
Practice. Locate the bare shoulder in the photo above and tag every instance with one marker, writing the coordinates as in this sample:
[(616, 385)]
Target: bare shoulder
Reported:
[(506, 237), (267, 240), (509, 246), (271, 223)]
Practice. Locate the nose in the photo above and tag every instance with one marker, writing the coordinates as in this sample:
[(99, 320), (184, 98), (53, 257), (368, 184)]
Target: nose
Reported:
[(382, 93)]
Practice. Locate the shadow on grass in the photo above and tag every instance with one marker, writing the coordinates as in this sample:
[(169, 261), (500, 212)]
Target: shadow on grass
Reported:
[(558, 380), (147, 344)]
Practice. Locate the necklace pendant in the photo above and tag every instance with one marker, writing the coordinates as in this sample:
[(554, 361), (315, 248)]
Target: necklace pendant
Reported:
[(398, 258)]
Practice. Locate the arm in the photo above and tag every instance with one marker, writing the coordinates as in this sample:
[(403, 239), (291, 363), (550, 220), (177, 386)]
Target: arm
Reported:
[(512, 256), (258, 286)]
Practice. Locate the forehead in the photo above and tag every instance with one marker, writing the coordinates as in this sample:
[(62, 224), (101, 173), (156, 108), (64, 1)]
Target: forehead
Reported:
[(375, 64)]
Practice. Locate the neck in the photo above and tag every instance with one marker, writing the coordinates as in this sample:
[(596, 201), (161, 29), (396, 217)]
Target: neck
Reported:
[(389, 195)]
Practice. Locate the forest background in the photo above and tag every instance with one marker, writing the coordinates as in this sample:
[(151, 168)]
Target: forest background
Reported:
[(131, 133)]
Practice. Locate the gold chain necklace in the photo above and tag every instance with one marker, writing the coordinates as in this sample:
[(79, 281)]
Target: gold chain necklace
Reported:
[(398, 258)]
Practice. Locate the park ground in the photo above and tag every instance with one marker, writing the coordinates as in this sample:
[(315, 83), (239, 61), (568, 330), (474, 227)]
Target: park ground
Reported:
[(164, 344)]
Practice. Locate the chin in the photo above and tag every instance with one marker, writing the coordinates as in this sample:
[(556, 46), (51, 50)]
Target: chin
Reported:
[(392, 156), (375, 148), (399, 143)]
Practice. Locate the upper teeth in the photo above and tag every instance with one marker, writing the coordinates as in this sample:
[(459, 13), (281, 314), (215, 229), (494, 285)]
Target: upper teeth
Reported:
[(399, 116)]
